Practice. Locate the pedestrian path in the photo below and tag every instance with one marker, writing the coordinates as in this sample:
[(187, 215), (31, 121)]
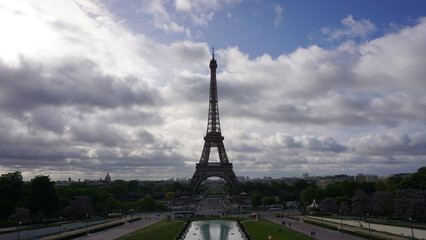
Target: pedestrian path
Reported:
[(395, 230), (320, 233), (121, 231), (352, 229)]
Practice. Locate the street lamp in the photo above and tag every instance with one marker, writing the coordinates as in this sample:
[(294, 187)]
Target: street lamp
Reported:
[(19, 230), (369, 229), (60, 226), (411, 224), (105, 221), (341, 221), (87, 221)]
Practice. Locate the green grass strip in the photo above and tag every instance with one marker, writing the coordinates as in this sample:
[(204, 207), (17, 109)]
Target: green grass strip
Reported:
[(162, 230), (263, 229)]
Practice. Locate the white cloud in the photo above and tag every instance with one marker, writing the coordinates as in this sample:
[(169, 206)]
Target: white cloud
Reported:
[(162, 18), (352, 28), (183, 5), (391, 144), (181, 16), (278, 14), (99, 97)]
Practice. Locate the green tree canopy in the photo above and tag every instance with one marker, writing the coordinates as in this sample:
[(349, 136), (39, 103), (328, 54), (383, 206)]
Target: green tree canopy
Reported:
[(147, 203), (42, 196), (416, 180)]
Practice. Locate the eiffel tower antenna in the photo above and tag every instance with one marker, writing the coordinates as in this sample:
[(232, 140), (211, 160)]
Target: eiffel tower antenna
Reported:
[(213, 138)]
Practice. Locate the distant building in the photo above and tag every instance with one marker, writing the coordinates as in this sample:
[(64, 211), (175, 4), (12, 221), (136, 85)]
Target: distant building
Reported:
[(366, 178), (360, 177), (371, 178), (107, 179), (305, 175), (242, 178), (322, 183)]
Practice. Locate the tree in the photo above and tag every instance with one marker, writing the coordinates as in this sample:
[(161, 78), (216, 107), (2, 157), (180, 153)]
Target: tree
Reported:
[(21, 215), (392, 183), (147, 203), (300, 185), (383, 203), (133, 186), (329, 205), (43, 199), (380, 186), (11, 186), (79, 208), (348, 188), (345, 207), (119, 189), (333, 190), (170, 195), (111, 204), (410, 203), (416, 180), (161, 206), (256, 200), (105, 195), (311, 193), (268, 200), (360, 203)]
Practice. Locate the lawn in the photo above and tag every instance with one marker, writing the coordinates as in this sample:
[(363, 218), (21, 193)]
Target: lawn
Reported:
[(162, 230), (260, 230)]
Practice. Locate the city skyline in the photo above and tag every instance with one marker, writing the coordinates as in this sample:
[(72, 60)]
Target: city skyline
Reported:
[(89, 87)]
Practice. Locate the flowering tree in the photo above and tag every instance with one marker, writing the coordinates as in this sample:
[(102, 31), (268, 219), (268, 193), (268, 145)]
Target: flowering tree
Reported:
[(360, 203), (383, 203), (410, 203)]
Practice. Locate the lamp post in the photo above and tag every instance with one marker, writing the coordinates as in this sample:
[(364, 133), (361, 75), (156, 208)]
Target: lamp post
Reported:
[(19, 230), (105, 220), (341, 221), (60, 226), (411, 224), (369, 229), (87, 221)]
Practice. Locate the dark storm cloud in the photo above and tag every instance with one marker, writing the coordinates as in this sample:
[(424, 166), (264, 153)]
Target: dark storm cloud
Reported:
[(36, 150), (73, 83), (325, 144), (391, 144), (146, 136), (133, 117), (245, 148), (97, 132)]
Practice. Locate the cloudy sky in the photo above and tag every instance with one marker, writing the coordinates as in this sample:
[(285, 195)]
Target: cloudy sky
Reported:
[(320, 87)]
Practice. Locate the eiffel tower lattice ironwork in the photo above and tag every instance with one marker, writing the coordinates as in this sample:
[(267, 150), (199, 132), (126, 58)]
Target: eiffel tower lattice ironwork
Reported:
[(213, 138)]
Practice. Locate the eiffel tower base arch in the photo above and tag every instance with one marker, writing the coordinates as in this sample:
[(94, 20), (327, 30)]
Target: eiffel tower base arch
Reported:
[(204, 171)]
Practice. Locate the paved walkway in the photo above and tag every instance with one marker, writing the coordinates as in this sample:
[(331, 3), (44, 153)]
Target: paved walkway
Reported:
[(357, 229), (322, 234), (121, 231)]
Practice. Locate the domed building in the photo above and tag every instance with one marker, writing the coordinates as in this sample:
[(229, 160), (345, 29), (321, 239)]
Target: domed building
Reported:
[(107, 179)]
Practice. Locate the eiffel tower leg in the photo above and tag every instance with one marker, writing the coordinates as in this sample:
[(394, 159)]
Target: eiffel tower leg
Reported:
[(195, 181), (204, 159), (222, 153)]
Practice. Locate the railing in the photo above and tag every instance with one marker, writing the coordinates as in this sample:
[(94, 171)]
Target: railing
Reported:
[(243, 230), (184, 231)]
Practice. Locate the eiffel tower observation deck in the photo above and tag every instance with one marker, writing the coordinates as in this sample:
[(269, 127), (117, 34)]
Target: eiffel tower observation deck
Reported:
[(213, 139)]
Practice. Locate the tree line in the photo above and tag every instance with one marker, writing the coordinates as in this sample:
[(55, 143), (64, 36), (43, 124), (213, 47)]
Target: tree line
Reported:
[(394, 197), (42, 199)]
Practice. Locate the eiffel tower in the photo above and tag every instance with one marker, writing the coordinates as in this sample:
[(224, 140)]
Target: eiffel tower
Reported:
[(213, 138)]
